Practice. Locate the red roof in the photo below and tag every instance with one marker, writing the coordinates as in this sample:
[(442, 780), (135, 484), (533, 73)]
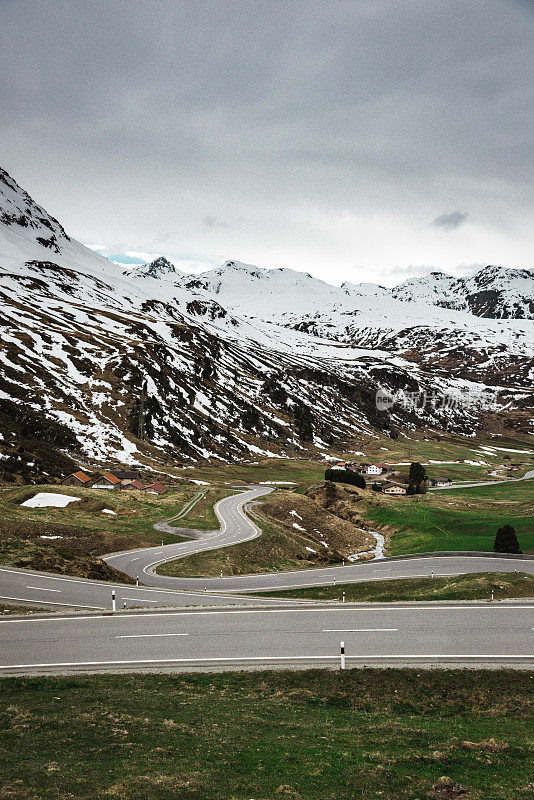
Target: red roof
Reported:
[(111, 478), (157, 487), (137, 485), (81, 476)]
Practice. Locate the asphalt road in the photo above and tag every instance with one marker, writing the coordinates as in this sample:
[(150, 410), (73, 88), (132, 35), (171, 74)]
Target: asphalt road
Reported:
[(267, 633), (526, 477), (487, 635), (159, 591)]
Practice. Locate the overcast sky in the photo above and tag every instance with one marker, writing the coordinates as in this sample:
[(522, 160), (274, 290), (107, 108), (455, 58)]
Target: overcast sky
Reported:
[(361, 140)]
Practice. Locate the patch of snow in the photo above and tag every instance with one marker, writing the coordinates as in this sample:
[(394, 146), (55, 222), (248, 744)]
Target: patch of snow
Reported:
[(109, 511), (46, 499)]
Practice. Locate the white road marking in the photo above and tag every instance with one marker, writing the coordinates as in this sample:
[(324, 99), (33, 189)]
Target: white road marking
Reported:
[(148, 635), (135, 559), (88, 582), (259, 659), (51, 603), (140, 599), (358, 630), (307, 610), (43, 589)]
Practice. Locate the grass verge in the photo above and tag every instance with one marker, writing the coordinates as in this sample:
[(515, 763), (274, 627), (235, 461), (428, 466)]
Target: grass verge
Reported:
[(472, 586), (313, 735), (202, 516), (6, 608)]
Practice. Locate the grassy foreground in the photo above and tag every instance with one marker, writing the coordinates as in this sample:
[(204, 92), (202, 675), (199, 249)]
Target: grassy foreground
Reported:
[(389, 734), (473, 586)]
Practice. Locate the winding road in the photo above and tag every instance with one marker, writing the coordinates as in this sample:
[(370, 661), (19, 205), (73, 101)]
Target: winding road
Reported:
[(216, 624)]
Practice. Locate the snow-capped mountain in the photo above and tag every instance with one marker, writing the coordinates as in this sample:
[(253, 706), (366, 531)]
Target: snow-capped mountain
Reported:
[(159, 268), (493, 292), (155, 364)]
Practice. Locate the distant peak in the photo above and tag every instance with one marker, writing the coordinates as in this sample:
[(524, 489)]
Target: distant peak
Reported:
[(156, 269)]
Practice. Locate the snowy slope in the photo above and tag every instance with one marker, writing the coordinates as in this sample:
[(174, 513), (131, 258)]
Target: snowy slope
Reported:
[(494, 292), (369, 316), (238, 361)]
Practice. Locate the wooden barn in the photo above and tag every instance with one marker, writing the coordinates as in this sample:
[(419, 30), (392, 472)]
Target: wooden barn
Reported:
[(108, 481), (77, 479), (157, 488), (133, 485)]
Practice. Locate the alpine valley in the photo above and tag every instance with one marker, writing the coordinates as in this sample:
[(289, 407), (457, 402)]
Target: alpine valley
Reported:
[(153, 365)]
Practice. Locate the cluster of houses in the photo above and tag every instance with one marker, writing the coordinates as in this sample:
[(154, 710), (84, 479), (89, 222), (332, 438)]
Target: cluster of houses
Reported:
[(381, 470), (363, 469), (375, 471), (113, 480)]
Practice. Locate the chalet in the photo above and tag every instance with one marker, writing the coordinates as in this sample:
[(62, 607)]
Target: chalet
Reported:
[(157, 488), (108, 481), (133, 485), (374, 469), (393, 488), (77, 479), (440, 481)]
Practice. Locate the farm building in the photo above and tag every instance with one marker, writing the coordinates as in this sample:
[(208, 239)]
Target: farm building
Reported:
[(393, 488), (126, 474), (77, 479), (440, 481), (108, 481), (133, 485), (158, 488)]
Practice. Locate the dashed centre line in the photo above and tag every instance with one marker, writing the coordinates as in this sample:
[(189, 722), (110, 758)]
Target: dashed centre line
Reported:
[(148, 635), (360, 630)]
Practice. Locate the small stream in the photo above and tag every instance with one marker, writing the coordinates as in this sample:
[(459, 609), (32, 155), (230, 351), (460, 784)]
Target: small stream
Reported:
[(377, 551)]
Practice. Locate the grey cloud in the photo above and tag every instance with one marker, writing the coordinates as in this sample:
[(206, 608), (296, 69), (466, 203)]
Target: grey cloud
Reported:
[(450, 222), (184, 114)]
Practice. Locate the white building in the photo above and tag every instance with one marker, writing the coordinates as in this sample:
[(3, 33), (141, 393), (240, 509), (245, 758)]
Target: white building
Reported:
[(374, 469)]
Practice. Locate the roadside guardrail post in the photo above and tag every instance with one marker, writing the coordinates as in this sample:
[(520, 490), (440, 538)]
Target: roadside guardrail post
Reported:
[(113, 601), (342, 648)]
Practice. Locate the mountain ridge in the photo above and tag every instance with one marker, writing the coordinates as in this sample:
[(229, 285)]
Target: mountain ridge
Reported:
[(159, 366)]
